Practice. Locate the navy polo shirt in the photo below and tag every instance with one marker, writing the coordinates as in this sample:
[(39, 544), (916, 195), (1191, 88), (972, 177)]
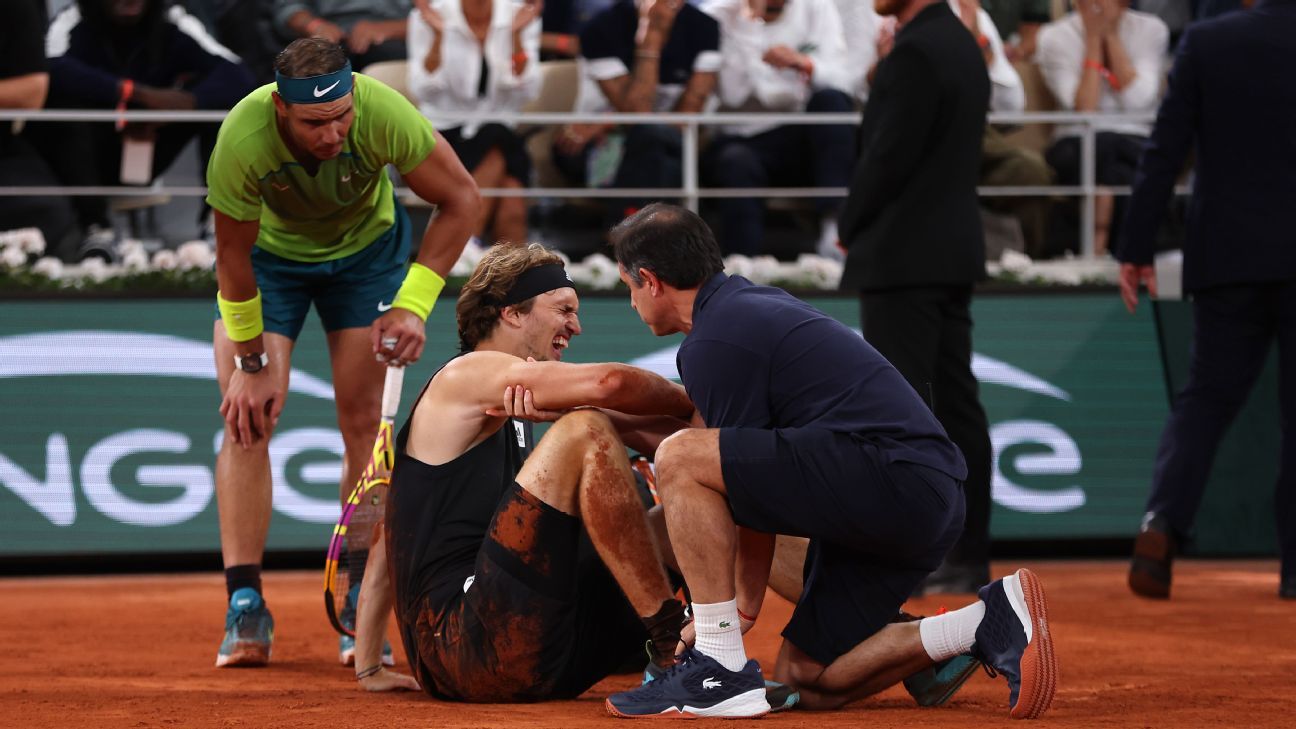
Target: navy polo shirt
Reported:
[(758, 357)]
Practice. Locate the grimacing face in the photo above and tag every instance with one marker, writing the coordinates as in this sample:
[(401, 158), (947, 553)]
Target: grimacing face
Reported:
[(551, 324), (320, 130)]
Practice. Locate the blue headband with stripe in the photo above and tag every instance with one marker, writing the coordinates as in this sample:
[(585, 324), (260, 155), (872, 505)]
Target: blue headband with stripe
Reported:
[(315, 89)]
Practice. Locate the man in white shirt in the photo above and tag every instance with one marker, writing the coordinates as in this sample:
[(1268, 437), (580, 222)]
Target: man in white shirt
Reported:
[(1103, 57), (1003, 164), (780, 56)]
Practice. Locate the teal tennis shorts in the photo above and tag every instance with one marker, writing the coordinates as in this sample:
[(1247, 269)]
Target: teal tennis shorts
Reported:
[(347, 292)]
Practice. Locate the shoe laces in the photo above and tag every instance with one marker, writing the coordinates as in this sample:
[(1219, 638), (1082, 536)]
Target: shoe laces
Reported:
[(990, 670)]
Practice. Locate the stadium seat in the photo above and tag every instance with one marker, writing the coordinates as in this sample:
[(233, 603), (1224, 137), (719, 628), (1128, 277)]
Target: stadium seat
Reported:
[(559, 82), (393, 73)]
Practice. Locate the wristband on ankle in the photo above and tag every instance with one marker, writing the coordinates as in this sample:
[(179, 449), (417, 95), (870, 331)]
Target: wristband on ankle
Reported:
[(242, 318), (748, 618), (361, 675), (420, 291)]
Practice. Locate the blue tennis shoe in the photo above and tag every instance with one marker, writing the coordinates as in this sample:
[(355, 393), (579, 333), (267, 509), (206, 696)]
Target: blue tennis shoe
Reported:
[(696, 686), (935, 685), (346, 643), (249, 631), (1013, 639)]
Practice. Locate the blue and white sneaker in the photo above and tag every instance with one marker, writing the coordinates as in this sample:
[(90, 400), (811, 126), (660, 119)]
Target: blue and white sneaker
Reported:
[(696, 686), (780, 696), (346, 643), (1014, 640), (249, 631), (935, 685)]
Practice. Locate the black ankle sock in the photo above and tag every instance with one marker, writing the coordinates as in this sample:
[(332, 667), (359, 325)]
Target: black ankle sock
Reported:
[(664, 628), (240, 576)]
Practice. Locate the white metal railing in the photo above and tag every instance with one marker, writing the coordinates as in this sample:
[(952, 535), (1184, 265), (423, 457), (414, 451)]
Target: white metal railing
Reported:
[(690, 191)]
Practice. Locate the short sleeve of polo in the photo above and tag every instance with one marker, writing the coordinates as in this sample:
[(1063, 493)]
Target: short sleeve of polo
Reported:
[(391, 128)]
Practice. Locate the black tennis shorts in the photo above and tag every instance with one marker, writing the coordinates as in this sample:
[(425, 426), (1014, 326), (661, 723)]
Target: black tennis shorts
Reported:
[(542, 618), (876, 528)]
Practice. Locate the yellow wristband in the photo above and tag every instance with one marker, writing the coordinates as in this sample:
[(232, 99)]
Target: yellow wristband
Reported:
[(242, 318), (420, 291)]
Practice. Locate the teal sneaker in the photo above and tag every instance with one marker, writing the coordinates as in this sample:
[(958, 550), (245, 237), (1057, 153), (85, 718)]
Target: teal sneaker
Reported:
[(249, 631), (933, 686), (346, 643)]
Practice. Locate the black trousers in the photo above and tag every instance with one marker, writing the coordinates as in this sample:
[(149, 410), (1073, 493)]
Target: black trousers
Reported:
[(795, 155), (20, 165), (926, 333), (88, 154), (1232, 330)]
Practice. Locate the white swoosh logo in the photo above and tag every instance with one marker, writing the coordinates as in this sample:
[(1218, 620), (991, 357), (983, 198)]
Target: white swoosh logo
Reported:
[(319, 93), (124, 353), (384, 307)]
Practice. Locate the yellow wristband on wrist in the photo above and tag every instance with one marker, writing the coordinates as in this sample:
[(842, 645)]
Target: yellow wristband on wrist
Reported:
[(420, 291), (242, 318)]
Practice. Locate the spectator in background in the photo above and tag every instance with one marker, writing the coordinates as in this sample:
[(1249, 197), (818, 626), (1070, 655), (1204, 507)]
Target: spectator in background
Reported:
[(244, 27), (562, 23), (779, 56), (24, 83), (1003, 163), (912, 227), (1231, 100), (861, 27), (1103, 57), (638, 56), (370, 30), (480, 56), (129, 54), (1018, 23)]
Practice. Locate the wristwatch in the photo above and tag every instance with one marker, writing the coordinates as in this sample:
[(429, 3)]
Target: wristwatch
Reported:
[(251, 363)]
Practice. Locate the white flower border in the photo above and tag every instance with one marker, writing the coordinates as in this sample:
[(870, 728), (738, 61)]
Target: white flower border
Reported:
[(596, 272)]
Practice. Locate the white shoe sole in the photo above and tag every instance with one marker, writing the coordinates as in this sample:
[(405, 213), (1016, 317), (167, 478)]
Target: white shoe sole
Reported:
[(749, 705)]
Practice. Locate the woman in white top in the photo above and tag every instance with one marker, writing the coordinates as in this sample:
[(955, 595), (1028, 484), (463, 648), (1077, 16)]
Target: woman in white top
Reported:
[(1103, 57), (482, 57)]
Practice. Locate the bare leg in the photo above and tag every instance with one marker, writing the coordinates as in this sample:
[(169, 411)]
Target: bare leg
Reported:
[(788, 570), (580, 468), (883, 660), (702, 532), (243, 488), (1104, 206), (510, 215), (488, 173), (357, 386)]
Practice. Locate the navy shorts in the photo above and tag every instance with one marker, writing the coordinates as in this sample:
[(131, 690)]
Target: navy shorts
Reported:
[(876, 527), (348, 292)]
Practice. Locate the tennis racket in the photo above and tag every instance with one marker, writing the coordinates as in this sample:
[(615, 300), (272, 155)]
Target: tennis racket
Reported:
[(349, 547)]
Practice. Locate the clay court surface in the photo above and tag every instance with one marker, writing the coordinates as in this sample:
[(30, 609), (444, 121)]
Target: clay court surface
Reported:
[(138, 651)]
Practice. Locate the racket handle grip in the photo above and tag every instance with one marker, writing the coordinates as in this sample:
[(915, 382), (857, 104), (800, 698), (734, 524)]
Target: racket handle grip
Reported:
[(392, 392)]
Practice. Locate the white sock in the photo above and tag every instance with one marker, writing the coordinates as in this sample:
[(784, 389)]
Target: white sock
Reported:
[(951, 634), (718, 633)]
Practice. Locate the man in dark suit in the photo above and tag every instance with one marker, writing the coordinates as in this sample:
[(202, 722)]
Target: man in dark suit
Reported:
[(915, 246), (1232, 98)]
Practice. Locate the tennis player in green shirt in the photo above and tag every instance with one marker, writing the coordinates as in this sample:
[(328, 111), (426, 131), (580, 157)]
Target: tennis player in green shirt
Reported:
[(305, 213)]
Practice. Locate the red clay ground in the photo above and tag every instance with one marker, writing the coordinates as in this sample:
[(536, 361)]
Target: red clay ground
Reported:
[(138, 652)]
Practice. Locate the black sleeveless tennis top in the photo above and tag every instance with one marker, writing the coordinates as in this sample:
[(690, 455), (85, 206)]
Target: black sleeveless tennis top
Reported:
[(438, 516)]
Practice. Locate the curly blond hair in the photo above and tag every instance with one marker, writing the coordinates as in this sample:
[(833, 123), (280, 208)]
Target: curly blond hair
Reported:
[(478, 309)]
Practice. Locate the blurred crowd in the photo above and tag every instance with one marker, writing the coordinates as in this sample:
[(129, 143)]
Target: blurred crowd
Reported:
[(487, 57)]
